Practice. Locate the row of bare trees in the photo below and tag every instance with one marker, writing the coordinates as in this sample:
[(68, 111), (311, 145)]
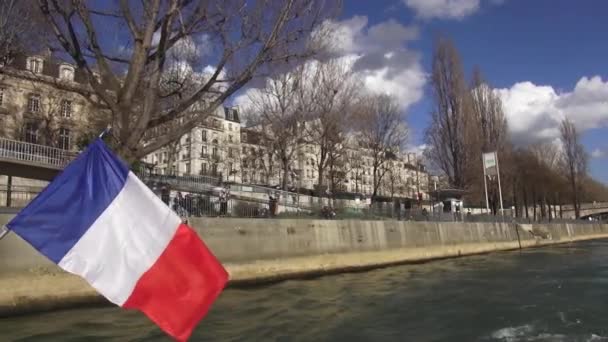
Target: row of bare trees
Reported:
[(323, 105), (468, 120)]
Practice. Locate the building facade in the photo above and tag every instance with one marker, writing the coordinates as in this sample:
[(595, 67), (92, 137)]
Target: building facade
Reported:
[(36, 107), (223, 149)]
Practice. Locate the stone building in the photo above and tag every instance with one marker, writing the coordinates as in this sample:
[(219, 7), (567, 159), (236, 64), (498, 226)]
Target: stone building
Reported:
[(211, 149), (36, 105), (223, 149)]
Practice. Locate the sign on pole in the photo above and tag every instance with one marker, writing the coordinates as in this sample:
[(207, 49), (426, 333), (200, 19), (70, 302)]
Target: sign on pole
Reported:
[(490, 164), (490, 168)]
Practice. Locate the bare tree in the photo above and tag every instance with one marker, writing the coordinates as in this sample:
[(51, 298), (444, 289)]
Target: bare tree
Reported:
[(353, 164), (328, 93), (15, 27), (276, 111), (136, 82), (488, 115), (547, 153), (381, 131), (574, 161), (450, 123)]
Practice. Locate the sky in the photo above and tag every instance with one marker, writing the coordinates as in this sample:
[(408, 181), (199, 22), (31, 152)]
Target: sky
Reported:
[(546, 58)]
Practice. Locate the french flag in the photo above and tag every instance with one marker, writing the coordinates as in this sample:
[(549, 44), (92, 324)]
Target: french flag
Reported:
[(97, 220)]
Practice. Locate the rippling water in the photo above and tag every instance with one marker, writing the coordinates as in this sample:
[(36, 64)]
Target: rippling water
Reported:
[(548, 294)]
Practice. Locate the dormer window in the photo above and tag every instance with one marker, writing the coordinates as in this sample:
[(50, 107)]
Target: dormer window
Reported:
[(35, 64), (66, 73)]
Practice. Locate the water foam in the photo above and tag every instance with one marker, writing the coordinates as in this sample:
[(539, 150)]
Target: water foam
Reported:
[(513, 333)]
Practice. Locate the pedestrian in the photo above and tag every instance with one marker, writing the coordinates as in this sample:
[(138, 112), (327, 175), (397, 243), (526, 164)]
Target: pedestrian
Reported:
[(223, 202)]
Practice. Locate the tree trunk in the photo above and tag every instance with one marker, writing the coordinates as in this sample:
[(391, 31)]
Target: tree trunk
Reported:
[(526, 203), (577, 212), (320, 181), (285, 175), (515, 202)]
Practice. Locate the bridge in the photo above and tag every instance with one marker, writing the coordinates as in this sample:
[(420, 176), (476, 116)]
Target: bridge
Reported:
[(33, 161), (597, 210)]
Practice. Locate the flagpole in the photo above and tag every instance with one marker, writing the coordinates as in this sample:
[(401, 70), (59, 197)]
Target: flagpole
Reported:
[(485, 182), (105, 131), (499, 187), (5, 231)]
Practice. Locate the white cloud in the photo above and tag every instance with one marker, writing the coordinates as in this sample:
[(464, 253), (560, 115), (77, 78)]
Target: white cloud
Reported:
[(599, 153), (534, 111), (418, 150), (446, 9), (379, 56)]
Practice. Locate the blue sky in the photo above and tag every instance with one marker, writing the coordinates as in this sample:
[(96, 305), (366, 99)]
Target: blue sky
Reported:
[(549, 58)]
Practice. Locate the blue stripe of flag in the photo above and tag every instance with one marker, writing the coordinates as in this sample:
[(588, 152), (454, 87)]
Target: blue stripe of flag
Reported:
[(60, 215)]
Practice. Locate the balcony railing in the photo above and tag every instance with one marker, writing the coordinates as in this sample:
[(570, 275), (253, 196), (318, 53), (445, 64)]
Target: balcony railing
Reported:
[(34, 153)]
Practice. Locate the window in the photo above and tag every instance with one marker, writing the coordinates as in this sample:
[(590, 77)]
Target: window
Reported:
[(31, 133), (244, 150), (230, 138), (203, 135), (33, 103), (1, 96), (66, 108), (229, 114), (34, 65), (214, 170), (244, 163), (245, 180), (66, 73), (64, 139), (186, 155), (230, 153), (204, 152), (214, 152), (203, 169), (229, 167), (188, 168)]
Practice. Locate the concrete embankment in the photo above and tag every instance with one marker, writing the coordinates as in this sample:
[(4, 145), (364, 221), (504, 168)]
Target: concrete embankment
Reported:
[(259, 250)]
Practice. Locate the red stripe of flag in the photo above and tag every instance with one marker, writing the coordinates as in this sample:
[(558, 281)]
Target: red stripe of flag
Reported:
[(179, 289)]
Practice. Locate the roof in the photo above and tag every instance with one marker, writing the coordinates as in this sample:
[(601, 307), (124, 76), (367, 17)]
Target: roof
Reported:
[(50, 66)]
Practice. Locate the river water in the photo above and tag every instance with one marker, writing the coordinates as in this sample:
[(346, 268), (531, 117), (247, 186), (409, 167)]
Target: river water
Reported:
[(547, 294)]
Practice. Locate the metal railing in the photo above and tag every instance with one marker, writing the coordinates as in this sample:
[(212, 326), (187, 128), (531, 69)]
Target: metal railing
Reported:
[(283, 196), (17, 196), (208, 204), (34, 153), (193, 183)]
